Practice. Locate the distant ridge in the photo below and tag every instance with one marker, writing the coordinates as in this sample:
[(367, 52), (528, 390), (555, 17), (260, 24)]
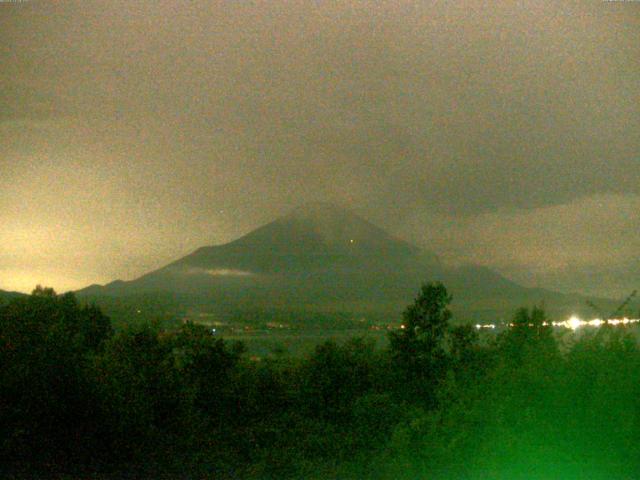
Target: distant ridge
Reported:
[(322, 256), (5, 296)]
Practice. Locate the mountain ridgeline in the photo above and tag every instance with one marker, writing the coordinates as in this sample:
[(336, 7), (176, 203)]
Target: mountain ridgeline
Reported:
[(324, 258), (7, 296)]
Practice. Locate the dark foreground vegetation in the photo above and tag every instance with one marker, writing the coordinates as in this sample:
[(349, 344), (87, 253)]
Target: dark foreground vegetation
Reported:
[(78, 400)]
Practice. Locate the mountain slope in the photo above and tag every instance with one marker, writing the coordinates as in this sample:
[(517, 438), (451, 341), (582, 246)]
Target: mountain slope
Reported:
[(7, 296), (323, 257)]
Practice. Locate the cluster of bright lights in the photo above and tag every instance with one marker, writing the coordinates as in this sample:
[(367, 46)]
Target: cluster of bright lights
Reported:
[(574, 322), (486, 325)]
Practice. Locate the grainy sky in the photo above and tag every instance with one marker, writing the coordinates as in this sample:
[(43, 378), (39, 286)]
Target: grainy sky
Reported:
[(500, 133)]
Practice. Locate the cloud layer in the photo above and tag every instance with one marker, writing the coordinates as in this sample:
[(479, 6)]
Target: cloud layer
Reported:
[(134, 132)]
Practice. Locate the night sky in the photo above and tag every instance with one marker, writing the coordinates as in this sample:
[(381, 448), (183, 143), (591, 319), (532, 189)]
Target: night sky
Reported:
[(505, 135)]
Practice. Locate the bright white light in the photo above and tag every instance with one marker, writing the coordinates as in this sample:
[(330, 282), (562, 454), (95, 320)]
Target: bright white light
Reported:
[(574, 322), (486, 325)]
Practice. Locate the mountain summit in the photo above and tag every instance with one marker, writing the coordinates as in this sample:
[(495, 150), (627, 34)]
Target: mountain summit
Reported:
[(336, 226), (316, 237)]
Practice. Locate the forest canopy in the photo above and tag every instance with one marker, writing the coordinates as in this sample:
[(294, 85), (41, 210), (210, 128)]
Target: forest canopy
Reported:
[(437, 401)]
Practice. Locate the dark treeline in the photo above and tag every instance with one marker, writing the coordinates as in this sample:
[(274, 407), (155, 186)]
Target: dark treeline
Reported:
[(79, 400)]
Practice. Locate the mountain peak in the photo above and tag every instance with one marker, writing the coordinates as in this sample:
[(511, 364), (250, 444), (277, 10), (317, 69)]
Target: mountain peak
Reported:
[(315, 236), (336, 225), (317, 207), (321, 212)]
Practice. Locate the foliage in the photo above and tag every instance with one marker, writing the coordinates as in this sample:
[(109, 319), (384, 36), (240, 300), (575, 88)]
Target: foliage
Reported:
[(46, 342), (442, 402), (419, 348)]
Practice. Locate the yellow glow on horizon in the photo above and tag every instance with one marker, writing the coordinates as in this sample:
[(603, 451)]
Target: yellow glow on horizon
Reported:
[(25, 281)]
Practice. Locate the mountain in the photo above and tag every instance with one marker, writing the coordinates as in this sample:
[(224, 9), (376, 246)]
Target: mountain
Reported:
[(324, 258), (6, 296)]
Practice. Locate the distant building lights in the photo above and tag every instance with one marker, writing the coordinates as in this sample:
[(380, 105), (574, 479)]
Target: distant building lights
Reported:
[(574, 322)]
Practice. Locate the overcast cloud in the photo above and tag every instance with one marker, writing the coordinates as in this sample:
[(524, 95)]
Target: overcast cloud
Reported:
[(504, 134)]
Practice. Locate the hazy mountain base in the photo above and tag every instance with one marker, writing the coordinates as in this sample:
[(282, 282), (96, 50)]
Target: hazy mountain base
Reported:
[(80, 402), (326, 313)]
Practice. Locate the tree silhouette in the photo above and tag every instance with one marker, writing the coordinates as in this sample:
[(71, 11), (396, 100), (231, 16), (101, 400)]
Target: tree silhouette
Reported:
[(418, 348), (531, 336)]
